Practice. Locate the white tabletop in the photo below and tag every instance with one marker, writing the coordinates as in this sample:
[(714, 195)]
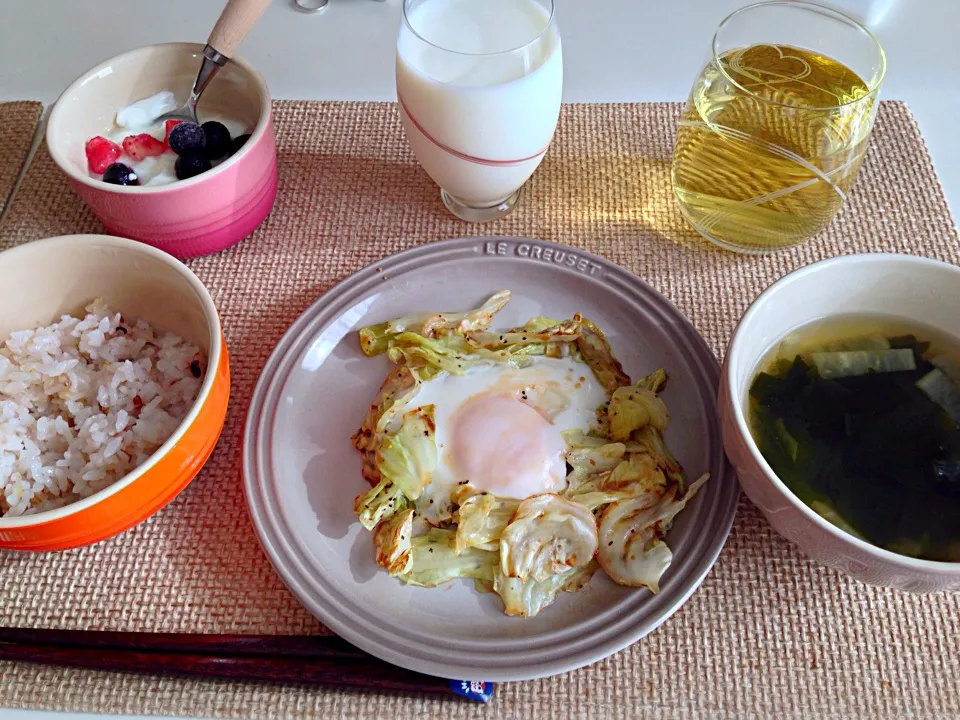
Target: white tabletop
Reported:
[(614, 50)]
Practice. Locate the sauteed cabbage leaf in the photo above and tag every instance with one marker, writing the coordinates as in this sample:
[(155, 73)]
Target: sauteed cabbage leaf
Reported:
[(623, 485)]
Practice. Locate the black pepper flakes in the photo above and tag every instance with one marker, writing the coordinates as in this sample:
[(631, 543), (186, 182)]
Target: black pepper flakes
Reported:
[(195, 369)]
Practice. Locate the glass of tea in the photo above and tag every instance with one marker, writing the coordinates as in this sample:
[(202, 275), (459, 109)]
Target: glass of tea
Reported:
[(776, 125)]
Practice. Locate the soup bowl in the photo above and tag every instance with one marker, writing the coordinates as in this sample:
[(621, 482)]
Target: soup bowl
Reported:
[(909, 288)]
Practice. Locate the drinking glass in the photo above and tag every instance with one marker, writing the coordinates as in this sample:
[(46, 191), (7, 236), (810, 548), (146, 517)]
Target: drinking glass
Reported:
[(478, 86), (776, 125)]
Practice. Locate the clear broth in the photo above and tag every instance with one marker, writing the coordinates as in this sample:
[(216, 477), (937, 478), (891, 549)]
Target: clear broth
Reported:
[(867, 453)]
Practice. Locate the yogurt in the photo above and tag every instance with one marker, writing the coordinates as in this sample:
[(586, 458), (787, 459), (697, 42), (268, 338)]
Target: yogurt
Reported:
[(141, 113), (137, 117)]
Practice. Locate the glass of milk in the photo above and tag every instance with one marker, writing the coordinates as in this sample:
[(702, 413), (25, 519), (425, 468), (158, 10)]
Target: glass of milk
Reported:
[(478, 86)]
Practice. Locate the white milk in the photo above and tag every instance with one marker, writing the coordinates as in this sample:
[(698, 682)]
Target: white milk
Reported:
[(499, 109)]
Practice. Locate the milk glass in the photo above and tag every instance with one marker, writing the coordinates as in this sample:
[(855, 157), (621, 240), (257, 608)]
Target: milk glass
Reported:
[(479, 86)]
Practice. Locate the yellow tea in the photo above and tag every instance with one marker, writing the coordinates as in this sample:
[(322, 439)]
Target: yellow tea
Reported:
[(769, 144)]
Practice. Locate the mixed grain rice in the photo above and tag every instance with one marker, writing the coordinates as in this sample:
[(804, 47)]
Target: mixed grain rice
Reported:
[(85, 401)]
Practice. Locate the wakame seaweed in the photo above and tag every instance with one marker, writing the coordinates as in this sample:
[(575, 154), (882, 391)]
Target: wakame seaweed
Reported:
[(873, 448)]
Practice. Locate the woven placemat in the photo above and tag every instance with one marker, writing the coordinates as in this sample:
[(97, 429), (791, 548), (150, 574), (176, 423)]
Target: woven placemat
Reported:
[(18, 125), (769, 633)]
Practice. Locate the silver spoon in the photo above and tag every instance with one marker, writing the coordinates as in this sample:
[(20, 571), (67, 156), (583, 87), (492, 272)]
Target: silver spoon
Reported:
[(236, 20)]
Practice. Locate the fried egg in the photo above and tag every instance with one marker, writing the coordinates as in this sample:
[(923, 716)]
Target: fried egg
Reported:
[(498, 428)]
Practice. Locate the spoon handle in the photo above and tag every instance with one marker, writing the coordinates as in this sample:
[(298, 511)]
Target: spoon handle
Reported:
[(236, 20)]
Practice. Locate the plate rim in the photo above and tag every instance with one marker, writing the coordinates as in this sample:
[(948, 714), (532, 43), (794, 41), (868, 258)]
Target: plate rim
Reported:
[(281, 555)]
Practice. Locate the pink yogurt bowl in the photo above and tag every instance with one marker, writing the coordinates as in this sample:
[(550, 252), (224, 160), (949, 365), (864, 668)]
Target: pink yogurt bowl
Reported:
[(186, 218)]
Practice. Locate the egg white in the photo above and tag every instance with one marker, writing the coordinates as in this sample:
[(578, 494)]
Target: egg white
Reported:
[(563, 392)]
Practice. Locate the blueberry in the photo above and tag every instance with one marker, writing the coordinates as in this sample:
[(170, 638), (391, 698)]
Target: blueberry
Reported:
[(218, 139), (120, 174), (186, 137), (191, 163), (238, 142)]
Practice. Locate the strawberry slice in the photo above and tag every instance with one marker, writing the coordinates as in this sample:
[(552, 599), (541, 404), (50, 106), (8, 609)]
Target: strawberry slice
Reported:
[(143, 145), (100, 153), (168, 125)]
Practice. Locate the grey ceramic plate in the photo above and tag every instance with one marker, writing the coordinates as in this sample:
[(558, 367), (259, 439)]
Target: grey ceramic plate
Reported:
[(301, 472)]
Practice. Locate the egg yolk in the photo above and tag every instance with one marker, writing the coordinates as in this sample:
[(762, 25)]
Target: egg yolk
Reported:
[(502, 446)]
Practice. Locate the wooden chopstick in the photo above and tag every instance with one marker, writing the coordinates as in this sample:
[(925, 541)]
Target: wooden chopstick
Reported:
[(314, 646), (297, 659)]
